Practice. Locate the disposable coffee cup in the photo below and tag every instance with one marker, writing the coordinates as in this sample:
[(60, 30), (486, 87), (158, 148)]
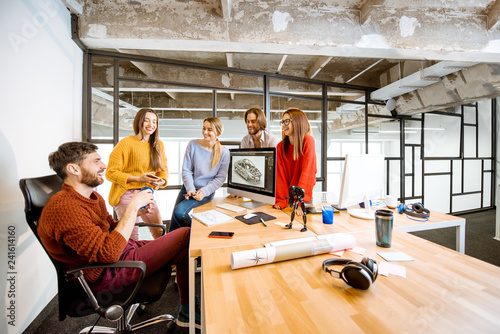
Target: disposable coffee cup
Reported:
[(391, 201), (383, 228), (327, 212)]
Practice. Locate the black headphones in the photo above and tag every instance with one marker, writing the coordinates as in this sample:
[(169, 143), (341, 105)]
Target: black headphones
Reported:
[(415, 210), (358, 275)]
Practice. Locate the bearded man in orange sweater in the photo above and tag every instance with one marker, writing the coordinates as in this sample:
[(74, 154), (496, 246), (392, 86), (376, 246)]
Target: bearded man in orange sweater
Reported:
[(76, 228)]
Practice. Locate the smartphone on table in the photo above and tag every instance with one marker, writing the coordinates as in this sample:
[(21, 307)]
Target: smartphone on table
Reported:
[(220, 234)]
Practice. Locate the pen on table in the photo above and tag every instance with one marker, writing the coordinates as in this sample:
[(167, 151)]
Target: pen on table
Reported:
[(263, 222)]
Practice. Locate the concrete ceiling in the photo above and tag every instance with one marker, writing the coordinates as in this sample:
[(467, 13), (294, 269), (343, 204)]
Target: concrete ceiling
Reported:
[(369, 43)]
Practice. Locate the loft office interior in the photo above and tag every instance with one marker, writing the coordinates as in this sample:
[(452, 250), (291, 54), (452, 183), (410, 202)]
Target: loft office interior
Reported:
[(315, 51), (453, 143)]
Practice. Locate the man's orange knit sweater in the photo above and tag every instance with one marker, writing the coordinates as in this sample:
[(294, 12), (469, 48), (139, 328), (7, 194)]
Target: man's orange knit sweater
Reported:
[(77, 230)]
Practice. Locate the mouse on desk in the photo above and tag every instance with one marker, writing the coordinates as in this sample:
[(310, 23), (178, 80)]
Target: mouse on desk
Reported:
[(249, 215)]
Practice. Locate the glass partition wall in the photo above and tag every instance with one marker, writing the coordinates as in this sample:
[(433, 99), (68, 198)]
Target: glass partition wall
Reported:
[(422, 152)]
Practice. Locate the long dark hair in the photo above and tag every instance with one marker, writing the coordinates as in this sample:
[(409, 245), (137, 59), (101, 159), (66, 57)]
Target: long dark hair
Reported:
[(301, 127), (155, 156)]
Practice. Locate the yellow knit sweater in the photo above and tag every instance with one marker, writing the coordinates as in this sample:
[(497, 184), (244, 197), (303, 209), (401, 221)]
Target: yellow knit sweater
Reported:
[(130, 157)]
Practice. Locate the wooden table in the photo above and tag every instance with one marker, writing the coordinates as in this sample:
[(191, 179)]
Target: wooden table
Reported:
[(243, 235), (258, 234), (343, 222), (444, 292)]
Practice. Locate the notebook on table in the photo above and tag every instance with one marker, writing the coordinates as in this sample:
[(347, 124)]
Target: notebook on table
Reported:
[(212, 217)]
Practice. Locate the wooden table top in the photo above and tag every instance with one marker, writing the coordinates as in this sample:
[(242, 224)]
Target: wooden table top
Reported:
[(444, 292), (243, 234)]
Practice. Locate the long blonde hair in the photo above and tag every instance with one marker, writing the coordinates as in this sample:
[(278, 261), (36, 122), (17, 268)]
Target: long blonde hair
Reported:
[(155, 160), (217, 148), (301, 127)]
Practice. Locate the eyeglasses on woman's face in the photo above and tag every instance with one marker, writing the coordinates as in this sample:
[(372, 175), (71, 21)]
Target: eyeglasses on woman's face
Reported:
[(286, 122)]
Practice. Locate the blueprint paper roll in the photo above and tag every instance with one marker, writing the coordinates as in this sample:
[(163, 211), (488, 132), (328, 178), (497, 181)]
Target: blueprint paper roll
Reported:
[(339, 240), (252, 257), (272, 254), (332, 237)]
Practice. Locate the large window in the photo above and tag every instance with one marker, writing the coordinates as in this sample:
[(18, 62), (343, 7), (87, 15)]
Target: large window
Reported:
[(426, 155)]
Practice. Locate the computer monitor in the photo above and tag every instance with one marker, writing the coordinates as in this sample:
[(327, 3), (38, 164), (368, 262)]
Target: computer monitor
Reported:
[(252, 174), (362, 181)]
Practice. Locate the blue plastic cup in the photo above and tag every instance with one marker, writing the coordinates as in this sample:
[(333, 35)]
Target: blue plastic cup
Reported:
[(327, 212), (144, 188)]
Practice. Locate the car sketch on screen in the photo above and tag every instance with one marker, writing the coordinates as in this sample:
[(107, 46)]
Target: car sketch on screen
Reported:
[(248, 170)]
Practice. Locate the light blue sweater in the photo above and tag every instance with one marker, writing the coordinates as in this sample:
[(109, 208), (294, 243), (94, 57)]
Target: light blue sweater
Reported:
[(197, 173)]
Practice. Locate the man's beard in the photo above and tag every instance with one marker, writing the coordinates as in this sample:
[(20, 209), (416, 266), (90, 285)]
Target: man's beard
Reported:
[(253, 131), (91, 180)]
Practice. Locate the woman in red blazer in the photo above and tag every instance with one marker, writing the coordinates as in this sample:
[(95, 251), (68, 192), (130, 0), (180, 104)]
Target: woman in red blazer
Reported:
[(296, 158)]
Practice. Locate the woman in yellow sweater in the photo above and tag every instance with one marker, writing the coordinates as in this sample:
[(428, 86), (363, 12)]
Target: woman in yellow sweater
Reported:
[(135, 162)]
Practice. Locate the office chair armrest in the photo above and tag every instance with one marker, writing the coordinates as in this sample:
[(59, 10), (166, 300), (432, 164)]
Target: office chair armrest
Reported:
[(118, 264), (78, 274), (162, 226)]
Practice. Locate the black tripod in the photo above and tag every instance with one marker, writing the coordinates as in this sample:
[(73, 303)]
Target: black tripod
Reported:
[(296, 198)]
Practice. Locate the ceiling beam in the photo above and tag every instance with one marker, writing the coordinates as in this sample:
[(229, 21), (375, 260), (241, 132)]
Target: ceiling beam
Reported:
[(109, 98), (282, 62), (317, 66), (367, 8), (229, 60), (186, 90), (112, 26), (362, 72), (172, 95), (455, 89), (494, 15), (230, 63), (226, 9), (145, 68)]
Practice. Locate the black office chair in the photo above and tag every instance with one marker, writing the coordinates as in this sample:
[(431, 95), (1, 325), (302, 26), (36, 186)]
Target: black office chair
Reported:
[(75, 297)]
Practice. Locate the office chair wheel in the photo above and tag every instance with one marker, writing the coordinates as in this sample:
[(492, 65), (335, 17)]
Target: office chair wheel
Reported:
[(141, 309), (171, 326)]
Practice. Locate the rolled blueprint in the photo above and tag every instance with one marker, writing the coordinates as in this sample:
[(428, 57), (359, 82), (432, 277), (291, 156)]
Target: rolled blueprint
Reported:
[(283, 252)]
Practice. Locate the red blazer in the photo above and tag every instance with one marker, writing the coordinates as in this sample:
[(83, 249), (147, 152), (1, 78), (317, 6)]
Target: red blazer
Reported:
[(300, 173)]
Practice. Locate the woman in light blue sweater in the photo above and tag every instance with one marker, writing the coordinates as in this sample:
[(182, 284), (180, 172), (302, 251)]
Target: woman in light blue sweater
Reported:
[(203, 172)]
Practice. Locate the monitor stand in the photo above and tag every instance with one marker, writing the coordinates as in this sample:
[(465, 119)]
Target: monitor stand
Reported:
[(364, 213), (252, 204)]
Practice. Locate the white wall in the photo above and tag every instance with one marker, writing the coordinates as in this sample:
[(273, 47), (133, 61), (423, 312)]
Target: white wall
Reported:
[(40, 90)]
